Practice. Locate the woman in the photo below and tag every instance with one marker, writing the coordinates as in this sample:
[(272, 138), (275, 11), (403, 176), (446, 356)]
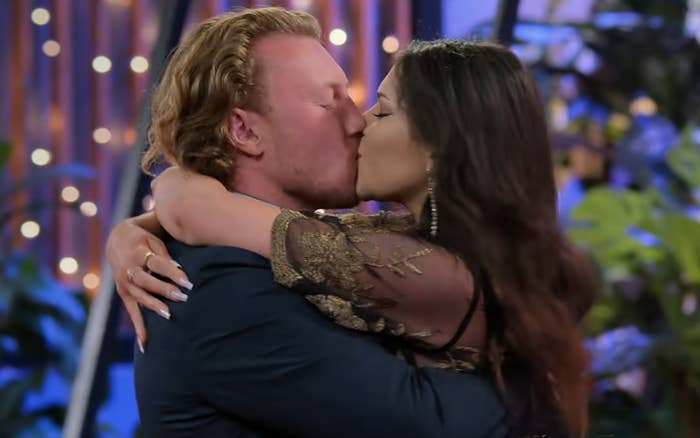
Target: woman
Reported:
[(479, 274)]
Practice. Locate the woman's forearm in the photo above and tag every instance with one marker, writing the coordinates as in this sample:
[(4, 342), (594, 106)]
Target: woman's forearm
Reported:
[(207, 214)]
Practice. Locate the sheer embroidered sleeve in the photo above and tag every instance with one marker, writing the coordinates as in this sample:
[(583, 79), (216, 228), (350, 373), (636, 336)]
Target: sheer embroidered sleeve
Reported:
[(369, 273)]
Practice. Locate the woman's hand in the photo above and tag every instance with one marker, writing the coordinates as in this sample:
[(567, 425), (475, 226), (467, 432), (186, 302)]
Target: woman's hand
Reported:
[(133, 253)]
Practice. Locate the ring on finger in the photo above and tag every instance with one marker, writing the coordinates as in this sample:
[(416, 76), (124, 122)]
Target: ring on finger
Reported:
[(148, 255)]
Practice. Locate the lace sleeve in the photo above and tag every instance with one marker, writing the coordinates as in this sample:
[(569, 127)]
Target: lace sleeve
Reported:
[(369, 273)]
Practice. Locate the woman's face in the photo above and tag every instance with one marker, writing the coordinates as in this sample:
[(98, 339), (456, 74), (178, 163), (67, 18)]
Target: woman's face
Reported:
[(391, 165)]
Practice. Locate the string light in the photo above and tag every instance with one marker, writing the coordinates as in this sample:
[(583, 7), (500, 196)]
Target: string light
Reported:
[(70, 194), (40, 16), (390, 44), (139, 64), (338, 37), (101, 64), (41, 157), (91, 281), (68, 265), (88, 209), (30, 229), (51, 48), (102, 135)]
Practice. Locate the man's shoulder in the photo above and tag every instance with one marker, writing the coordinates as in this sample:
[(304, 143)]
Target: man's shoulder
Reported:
[(205, 255), (232, 281), (203, 262)]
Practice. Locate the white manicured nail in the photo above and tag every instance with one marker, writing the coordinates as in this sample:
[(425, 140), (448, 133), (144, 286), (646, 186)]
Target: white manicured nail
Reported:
[(178, 296), (186, 284)]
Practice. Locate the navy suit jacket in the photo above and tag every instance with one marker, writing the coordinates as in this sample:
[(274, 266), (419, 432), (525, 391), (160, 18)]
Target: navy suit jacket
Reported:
[(245, 357)]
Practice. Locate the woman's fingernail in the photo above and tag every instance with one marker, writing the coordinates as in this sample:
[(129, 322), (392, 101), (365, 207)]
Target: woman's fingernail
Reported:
[(185, 283), (176, 264), (178, 296), (141, 349), (164, 313)]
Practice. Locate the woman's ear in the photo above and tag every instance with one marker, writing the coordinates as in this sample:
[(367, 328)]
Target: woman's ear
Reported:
[(244, 130)]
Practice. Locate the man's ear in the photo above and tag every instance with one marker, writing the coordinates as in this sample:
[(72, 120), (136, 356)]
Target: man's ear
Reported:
[(244, 130)]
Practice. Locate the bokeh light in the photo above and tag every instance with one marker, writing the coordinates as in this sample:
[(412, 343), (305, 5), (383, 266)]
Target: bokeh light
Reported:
[(101, 64), (41, 157), (70, 194), (139, 64), (390, 44), (338, 37), (68, 265), (40, 16), (30, 229), (51, 48)]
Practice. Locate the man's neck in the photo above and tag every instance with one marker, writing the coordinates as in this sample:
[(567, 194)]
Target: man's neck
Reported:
[(266, 191)]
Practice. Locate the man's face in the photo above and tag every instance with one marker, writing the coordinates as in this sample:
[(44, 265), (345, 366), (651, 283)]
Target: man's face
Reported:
[(314, 128)]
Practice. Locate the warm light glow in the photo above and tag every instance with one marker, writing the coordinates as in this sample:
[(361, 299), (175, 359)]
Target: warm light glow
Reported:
[(68, 265), (101, 64), (102, 135), (129, 136), (139, 64), (70, 194), (40, 16), (88, 209), (338, 37), (643, 106), (51, 48), (357, 93), (91, 281), (390, 44), (41, 157), (30, 229), (619, 121)]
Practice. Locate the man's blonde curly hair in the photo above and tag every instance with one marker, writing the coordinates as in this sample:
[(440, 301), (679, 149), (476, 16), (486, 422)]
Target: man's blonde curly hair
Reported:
[(211, 72)]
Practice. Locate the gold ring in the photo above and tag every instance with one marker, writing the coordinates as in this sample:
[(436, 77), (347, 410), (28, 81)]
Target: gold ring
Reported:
[(148, 255), (130, 274)]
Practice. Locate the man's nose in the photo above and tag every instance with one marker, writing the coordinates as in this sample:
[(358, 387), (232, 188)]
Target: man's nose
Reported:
[(354, 122)]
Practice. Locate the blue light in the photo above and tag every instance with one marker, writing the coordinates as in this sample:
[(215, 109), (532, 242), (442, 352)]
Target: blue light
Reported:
[(643, 237), (607, 20)]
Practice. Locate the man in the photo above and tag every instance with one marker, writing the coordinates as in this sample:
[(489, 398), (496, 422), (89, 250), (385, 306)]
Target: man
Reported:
[(254, 100)]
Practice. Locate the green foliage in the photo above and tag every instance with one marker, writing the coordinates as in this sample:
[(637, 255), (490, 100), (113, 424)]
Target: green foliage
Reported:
[(648, 250)]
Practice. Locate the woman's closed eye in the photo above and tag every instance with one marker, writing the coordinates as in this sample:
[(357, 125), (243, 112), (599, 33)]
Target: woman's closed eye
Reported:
[(380, 115)]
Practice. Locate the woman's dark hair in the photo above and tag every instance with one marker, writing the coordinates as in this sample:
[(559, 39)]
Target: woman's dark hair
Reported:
[(478, 107)]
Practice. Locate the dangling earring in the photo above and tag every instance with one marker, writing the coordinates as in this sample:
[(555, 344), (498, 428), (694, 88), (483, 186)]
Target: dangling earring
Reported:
[(433, 204)]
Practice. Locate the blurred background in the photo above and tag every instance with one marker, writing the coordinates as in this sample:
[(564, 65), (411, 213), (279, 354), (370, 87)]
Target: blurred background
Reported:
[(621, 84)]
